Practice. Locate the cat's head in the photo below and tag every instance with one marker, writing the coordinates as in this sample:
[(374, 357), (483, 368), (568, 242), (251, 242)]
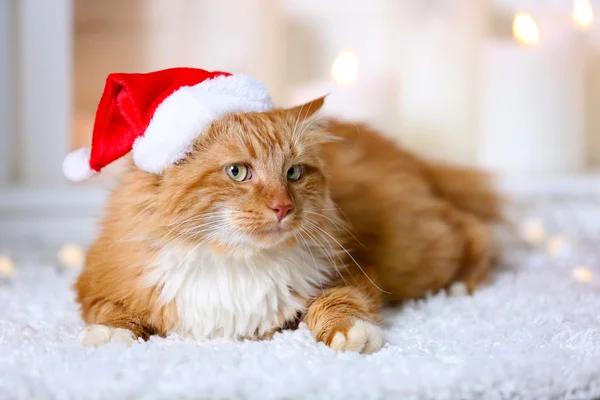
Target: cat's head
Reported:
[(253, 180)]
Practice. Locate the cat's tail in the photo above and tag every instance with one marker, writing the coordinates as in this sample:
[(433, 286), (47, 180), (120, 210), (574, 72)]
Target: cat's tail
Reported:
[(469, 189)]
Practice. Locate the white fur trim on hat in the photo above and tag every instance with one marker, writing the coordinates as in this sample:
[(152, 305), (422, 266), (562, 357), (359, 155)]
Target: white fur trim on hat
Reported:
[(76, 165), (186, 113)]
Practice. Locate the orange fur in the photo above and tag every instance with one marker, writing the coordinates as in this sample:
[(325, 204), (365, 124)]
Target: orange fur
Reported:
[(420, 224), (409, 226)]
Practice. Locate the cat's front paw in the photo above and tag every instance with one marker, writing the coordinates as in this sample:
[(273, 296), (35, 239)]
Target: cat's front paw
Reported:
[(359, 335), (97, 334)]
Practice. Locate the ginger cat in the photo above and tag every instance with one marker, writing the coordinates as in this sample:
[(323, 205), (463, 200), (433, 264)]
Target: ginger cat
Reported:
[(276, 218)]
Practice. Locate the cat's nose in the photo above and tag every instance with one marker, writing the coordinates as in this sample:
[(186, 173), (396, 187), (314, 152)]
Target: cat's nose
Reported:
[(282, 209)]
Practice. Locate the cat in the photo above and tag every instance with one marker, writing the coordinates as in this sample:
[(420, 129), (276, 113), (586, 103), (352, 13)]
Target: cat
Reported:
[(282, 217)]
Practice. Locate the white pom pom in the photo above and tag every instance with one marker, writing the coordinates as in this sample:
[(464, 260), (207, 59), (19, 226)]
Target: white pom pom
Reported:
[(76, 165)]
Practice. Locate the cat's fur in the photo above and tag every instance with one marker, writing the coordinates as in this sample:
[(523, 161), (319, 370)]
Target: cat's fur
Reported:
[(194, 252)]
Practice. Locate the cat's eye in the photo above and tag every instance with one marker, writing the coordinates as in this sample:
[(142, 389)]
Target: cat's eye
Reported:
[(295, 173), (239, 172)]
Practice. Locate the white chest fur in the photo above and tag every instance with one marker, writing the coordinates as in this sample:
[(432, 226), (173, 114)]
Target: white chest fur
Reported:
[(236, 296)]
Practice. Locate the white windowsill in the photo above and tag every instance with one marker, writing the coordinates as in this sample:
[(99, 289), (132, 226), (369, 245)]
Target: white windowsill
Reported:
[(575, 185)]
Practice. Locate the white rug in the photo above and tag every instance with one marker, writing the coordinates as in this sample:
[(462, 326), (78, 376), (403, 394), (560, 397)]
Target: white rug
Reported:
[(533, 334)]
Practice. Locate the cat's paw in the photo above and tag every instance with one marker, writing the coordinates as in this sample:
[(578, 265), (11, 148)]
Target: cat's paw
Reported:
[(362, 336), (94, 335)]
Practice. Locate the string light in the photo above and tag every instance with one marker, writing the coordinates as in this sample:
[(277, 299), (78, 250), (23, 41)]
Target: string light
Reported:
[(70, 256), (533, 231), (525, 29), (345, 68), (583, 274), (7, 267), (556, 244), (583, 14)]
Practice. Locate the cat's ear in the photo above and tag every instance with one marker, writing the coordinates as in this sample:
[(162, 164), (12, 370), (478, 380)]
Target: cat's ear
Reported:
[(305, 111)]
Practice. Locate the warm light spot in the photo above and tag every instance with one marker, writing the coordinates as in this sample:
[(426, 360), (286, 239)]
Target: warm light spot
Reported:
[(556, 244), (7, 267), (583, 15), (345, 68), (533, 231), (525, 29), (70, 255), (582, 274)]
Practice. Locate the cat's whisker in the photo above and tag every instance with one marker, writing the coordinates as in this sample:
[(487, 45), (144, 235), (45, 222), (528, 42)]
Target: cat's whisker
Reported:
[(191, 219), (167, 241), (305, 128), (330, 252), (347, 252), (133, 239), (338, 209), (171, 235), (214, 214), (195, 228), (314, 242), (180, 234), (297, 241), (315, 261), (337, 254), (195, 248), (337, 226), (294, 137), (195, 217), (208, 219), (230, 235), (162, 245), (191, 231), (357, 128)]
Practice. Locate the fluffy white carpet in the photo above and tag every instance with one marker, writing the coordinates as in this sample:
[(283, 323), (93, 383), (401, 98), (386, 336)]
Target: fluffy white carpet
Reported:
[(533, 334)]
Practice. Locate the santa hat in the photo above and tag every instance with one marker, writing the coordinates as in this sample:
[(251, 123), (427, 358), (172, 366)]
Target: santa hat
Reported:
[(157, 116)]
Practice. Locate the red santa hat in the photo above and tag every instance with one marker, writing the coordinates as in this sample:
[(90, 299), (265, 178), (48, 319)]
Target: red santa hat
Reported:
[(157, 116)]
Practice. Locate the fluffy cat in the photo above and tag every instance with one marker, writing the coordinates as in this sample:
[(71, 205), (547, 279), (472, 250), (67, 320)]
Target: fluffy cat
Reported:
[(275, 218)]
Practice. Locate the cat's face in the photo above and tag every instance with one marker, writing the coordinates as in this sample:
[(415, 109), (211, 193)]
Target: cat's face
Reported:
[(252, 180)]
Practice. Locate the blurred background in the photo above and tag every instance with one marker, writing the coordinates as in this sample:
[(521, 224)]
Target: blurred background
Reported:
[(509, 85)]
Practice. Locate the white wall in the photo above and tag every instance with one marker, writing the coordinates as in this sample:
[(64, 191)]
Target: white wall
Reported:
[(536, 5), (5, 113), (199, 33), (42, 92), (593, 71)]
